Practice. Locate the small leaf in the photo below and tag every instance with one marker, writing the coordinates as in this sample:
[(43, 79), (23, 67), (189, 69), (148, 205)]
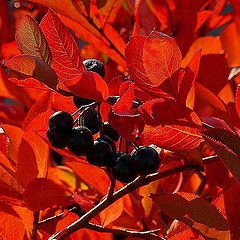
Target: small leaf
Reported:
[(195, 212), (30, 39), (83, 202), (67, 61), (111, 213), (88, 85), (33, 67)]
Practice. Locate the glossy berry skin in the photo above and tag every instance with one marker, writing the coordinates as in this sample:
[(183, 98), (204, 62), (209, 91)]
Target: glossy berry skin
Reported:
[(79, 101), (96, 66), (61, 123), (57, 141), (92, 120), (123, 170), (101, 154), (107, 130), (80, 141), (145, 160)]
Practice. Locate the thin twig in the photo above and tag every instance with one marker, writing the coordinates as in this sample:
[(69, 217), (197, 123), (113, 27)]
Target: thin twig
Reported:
[(111, 187), (202, 184), (138, 182), (35, 225), (145, 235)]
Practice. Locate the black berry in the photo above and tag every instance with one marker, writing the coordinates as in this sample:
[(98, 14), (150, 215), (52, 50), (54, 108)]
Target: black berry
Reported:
[(145, 160), (101, 154), (79, 101), (96, 66), (92, 120), (57, 141), (80, 141), (107, 130), (123, 170), (61, 123)]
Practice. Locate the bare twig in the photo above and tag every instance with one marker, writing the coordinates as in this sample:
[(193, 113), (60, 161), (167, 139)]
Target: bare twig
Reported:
[(145, 235)]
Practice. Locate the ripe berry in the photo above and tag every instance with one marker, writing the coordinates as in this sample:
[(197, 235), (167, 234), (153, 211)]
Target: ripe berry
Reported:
[(123, 170), (92, 120), (101, 154), (96, 66), (107, 130), (109, 141), (145, 160), (57, 141), (80, 141), (61, 123), (79, 101)]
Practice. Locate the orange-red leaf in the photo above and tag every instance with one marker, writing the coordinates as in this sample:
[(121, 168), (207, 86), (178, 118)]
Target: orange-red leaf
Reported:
[(30, 39), (111, 213), (33, 67), (195, 212)]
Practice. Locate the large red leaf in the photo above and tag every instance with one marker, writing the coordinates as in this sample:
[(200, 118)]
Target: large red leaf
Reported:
[(226, 145), (33, 67), (66, 61), (195, 212), (88, 85), (172, 137), (42, 193), (152, 60), (30, 39)]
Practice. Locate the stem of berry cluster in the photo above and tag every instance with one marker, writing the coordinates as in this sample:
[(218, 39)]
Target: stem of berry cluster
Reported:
[(35, 225)]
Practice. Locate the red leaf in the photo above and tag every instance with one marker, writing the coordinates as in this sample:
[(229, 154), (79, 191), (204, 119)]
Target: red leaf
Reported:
[(188, 81), (31, 40), (66, 61), (42, 193), (195, 212), (124, 104), (152, 60), (167, 111), (172, 137), (226, 145), (29, 83), (83, 202), (33, 67), (88, 85), (111, 213)]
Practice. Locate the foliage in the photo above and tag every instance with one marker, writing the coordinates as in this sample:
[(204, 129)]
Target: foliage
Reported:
[(172, 75)]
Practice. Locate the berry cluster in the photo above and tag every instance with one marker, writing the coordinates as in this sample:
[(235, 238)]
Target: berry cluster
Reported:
[(102, 151)]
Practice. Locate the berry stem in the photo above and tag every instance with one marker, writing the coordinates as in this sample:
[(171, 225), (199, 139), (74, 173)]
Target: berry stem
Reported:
[(145, 234), (93, 105)]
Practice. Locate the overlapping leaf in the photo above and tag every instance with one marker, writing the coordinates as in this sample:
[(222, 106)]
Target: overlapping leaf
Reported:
[(88, 85), (195, 212), (226, 145), (30, 39), (33, 67)]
